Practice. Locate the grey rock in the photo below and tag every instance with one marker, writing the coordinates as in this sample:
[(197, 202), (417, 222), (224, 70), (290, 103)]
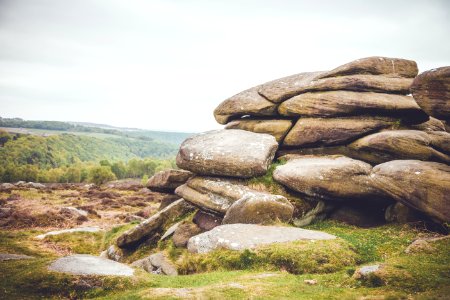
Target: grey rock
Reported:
[(206, 221), (248, 236), (157, 264), (82, 264), (170, 231), (259, 209), (421, 185), (57, 232), (277, 128), (218, 194), (11, 256), (168, 180), (184, 232), (232, 152), (328, 178), (155, 224), (248, 102)]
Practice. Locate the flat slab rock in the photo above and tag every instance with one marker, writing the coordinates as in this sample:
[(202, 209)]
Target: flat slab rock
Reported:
[(57, 232), (232, 152), (82, 264), (10, 256), (248, 236)]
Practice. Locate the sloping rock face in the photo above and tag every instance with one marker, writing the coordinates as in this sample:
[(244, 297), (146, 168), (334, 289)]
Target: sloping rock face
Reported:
[(168, 180), (233, 152), (431, 89), (424, 186), (155, 224), (248, 236)]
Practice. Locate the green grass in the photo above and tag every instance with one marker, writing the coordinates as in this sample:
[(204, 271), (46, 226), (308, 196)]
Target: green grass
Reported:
[(415, 276), (78, 242)]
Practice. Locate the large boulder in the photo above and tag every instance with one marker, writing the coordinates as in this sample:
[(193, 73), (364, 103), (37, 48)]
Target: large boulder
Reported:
[(248, 102), (348, 103), (155, 224), (431, 89), (424, 186), (218, 194), (277, 128), (314, 132), (398, 144), (259, 209), (168, 180), (233, 152), (248, 236), (376, 65), (328, 178)]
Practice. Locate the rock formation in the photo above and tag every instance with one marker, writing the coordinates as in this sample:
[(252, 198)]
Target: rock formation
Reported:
[(350, 142)]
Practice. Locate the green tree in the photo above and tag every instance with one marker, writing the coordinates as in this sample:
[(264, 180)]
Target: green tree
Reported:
[(119, 169), (102, 174)]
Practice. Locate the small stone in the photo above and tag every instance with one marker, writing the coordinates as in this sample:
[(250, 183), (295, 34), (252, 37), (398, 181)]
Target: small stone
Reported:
[(310, 281)]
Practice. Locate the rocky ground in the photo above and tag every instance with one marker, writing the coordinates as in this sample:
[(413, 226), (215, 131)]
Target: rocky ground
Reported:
[(409, 262)]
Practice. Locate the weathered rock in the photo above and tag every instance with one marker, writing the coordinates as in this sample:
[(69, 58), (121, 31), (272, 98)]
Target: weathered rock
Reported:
[(431, 89), (6, 186), (57, 232), (424, 245), (166, 200), (168, 180), (376, 65), (396, 144), (206, 221), (247, 236), (170, 231), (11, 256), (277, 128), (318, 213), (159, 261), (314, 132), (348, 103), (82, 264), (218, 194), (74, 211), (157, 264), (259, 209), (424, 186), (184, 232), (365, 271), (440, 140), (285, 88), (401, 213), (248, 102), (232, 152), (432, 124), (328, 177), (155, 224), (114, 253)]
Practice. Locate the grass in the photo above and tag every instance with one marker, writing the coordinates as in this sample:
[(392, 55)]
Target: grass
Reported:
[(294, 257), (78, 242), (272, 272)]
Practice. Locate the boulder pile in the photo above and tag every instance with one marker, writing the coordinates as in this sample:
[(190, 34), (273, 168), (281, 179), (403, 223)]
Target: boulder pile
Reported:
[(351, 142)]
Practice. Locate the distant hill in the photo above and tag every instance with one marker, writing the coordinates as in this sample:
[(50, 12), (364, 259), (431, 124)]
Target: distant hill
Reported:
[(45, 128)]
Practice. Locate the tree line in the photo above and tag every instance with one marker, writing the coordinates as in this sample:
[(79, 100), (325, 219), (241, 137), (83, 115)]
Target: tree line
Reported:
[(71, 158)]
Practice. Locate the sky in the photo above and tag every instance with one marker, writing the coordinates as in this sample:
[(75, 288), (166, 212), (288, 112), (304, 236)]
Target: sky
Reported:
[(165, 65)]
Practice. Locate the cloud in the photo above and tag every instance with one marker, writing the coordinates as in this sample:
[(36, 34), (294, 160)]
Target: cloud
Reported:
[(168, 64)]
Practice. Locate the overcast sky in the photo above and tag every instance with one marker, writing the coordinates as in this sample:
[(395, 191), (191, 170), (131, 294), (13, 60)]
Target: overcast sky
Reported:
[(166, 65)]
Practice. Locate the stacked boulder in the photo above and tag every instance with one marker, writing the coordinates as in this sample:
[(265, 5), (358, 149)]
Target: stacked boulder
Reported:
[(351, 141)]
